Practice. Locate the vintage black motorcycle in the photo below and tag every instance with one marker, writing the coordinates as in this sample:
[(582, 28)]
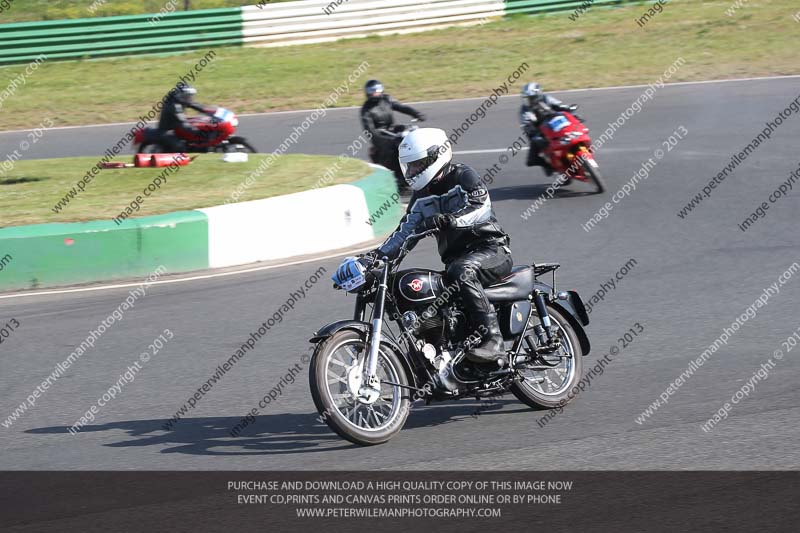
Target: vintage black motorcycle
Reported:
[(364, 376)]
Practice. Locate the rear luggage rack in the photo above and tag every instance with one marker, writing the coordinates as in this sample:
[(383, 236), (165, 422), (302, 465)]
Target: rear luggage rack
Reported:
[(544, 268)]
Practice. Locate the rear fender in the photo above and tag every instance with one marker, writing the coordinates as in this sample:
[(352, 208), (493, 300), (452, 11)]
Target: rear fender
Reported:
[(363, 327), (573, 309)]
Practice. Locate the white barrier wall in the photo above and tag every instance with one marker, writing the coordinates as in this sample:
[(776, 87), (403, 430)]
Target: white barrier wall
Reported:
[(286, 226), (308, 22)]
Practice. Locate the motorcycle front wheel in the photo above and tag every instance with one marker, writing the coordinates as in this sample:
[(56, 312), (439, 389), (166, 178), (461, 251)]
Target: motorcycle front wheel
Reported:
[(335, 377), (151, 148), (593, 171)]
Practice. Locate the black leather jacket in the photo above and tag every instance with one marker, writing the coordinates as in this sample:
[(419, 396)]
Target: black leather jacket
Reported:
[(530, 117), (173, 115), (378, 113), (459, 192)]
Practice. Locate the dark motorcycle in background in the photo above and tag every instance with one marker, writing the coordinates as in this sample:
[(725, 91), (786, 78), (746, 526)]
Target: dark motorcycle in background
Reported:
[(388, 156), (216, 129), (364, 376)]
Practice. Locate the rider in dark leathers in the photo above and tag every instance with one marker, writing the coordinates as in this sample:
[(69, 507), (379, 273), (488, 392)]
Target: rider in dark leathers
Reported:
[(538, 107), (377, 115), (471, 243), (173, 116)]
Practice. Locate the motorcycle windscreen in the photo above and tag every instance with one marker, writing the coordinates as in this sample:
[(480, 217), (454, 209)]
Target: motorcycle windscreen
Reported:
[(558, 123)]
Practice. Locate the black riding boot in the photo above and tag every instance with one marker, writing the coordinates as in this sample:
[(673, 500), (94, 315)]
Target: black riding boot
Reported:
[(491, 346), (535, 159), (533, 156)]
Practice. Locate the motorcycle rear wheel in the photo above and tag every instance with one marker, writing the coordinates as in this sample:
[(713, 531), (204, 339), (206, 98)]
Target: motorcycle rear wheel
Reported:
[(243, 142), (335, 363), (546, 389)]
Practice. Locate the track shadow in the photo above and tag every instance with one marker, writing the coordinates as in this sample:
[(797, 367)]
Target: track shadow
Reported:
[(276, 434), (271, 434), (532, 192), (26, 179), (438, 414)]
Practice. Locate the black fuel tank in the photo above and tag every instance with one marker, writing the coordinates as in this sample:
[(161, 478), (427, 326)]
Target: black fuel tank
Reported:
[(417, 288)]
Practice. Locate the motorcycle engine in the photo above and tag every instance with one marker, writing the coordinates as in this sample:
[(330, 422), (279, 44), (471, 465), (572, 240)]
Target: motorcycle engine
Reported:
[(427, 328), (437, 347)]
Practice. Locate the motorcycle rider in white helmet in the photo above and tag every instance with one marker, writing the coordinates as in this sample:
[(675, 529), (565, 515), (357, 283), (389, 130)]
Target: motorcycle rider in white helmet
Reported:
[(474, 248)]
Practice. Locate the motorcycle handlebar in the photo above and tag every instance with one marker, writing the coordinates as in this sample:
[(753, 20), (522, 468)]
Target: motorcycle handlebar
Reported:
[(380, 263), (411, 238), (389, 133), (422, 234), (394, 134)]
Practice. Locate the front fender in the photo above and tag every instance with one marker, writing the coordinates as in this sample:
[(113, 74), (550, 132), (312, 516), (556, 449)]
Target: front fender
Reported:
[(329, 329), (363, 327)]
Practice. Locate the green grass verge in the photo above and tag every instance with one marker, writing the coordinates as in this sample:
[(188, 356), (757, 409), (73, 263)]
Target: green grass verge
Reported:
[(603, 47), (32, 188)]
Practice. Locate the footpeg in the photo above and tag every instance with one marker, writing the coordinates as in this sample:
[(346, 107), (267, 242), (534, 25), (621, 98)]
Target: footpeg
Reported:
[(544, 348), (548, 348)]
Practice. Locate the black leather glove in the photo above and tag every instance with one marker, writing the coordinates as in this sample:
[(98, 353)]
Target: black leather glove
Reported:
[(421, 117), (440, 221), (368, 259)]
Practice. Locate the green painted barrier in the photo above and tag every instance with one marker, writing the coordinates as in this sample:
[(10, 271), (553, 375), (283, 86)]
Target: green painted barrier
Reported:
[(383, 201), (548, 6), (61, 254), (48, 255), (121, 35), (181, 31)]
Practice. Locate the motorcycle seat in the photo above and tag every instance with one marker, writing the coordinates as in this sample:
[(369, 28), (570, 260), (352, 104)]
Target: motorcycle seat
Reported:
[(516, 286)]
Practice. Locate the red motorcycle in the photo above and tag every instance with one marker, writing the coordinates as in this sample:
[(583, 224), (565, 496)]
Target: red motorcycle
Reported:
[(569, 152), (217, 135)]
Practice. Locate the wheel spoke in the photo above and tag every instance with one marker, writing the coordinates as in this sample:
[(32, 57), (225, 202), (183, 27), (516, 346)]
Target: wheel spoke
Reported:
[(366, 417), (378, 413), (371, 411), (353, 354), (337, 379)]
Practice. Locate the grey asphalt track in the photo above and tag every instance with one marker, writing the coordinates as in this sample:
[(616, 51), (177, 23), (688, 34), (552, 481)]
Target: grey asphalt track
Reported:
[(692, 278)]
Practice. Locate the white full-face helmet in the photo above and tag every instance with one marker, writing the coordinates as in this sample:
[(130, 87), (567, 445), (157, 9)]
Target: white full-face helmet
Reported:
[(423, 154)]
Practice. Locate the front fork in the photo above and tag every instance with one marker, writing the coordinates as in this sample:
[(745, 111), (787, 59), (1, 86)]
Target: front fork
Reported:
[(370, 388)]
